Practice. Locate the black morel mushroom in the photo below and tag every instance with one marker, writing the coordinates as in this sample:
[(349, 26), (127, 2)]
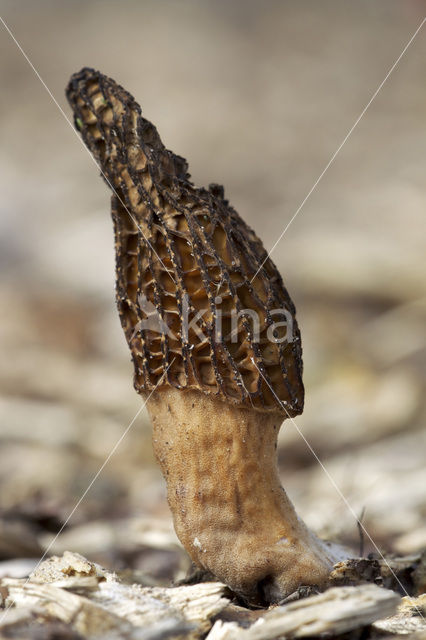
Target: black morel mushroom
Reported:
[(215, 346)]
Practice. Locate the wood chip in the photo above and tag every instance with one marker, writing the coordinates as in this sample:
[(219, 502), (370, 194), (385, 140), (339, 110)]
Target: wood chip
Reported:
[(335, 611), (410, 617), (94, 603)]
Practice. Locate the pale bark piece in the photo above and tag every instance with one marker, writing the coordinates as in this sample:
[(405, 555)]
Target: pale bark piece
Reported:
[(144, 606), (335, 611), (95, 603), (79, 612), (69, 564), (410, 617)]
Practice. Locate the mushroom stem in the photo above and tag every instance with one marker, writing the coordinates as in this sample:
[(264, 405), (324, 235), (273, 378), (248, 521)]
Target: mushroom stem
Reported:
[(230, 512)]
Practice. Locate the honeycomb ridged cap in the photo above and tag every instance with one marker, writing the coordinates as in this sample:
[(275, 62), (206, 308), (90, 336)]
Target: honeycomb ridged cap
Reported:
[(201, 304)]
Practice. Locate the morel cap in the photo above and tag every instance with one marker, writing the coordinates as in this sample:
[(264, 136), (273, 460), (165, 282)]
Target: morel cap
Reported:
[(201, 304)]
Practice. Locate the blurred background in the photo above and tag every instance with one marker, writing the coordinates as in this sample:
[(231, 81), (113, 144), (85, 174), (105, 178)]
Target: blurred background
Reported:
[(257, 96)]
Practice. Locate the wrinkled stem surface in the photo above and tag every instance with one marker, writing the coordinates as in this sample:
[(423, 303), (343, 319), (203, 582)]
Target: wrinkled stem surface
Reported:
[(229, 509)]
